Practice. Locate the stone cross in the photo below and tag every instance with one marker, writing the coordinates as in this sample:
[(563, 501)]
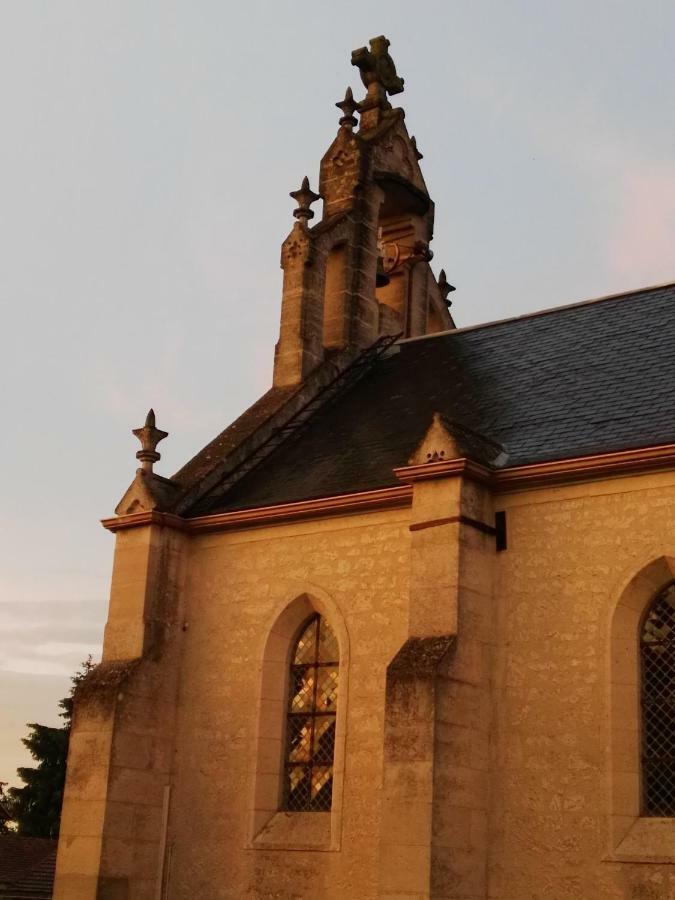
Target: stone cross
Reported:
[(378, 72)]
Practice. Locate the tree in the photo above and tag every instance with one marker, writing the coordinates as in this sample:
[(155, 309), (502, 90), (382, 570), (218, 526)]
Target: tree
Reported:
[(36, 807), (5, 813)]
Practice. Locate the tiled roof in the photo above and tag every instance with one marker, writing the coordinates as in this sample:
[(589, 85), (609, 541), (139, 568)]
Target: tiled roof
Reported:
[(26, 867), (584, 379)]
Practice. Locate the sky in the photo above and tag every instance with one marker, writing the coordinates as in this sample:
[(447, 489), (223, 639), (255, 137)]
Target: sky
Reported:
[(147, 153)]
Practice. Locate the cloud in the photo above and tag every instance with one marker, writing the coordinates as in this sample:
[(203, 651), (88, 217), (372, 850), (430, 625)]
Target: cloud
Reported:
[(33, 666), (52, 639), (64, 648), (47, 657)]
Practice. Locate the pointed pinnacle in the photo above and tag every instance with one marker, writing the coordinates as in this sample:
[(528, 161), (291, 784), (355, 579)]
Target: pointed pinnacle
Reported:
[(149, 436), (445, 288), (348, 107), (304, 198)]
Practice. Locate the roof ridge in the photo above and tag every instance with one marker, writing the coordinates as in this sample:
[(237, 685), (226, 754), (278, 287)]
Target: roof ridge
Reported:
[(622, 295)]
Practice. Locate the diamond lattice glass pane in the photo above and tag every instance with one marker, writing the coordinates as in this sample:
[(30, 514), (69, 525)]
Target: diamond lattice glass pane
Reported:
[(299, 738), (305, 651), (660, 622), (298, 794), (322, 787), (658, 706), (310, 734), (302, 688), (327, 689), (324, 740), (328, 645)]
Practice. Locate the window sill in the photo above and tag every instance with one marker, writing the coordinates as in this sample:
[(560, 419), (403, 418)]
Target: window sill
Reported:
[(647, 840), (296, 831)]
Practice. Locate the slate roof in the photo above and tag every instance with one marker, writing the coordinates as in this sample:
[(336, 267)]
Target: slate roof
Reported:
[(26, 867), (577, 380)]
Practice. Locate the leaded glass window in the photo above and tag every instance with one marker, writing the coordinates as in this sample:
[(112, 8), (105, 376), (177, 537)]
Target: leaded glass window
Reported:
[(657, 653), (310, 725)]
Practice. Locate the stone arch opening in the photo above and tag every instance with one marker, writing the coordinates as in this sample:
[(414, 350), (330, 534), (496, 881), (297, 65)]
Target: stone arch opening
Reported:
[(272, 826), (633, 835)]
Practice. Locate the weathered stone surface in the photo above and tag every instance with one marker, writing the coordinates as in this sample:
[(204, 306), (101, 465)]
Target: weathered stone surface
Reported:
[(487, 730)]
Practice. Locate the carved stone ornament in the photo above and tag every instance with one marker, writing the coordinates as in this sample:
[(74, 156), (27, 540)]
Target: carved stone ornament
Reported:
[(395, 152), (377, 67), (437, 444), (304, 197), (344, 158), (416, 151), (445, 288), (148, 490), (149, 436), (296, 247), (348, 106), (446, 439)]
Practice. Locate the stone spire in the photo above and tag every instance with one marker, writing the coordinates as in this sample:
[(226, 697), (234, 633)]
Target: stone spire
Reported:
[(149, 436), (304, 197), (362, 272)]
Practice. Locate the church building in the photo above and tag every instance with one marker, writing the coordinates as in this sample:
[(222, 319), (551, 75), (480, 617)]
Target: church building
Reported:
[(405, 629)]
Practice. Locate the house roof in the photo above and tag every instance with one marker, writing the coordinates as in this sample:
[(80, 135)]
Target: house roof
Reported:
[(589, 378), (26, 867)]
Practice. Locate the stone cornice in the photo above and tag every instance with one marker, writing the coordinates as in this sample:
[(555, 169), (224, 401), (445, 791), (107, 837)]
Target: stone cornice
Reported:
[(444, 468), (147, 517), (516, 478), (582, 468), (384, 498)]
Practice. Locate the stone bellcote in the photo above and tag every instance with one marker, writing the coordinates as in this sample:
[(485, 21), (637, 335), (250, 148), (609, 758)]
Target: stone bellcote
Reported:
[(362, 270)]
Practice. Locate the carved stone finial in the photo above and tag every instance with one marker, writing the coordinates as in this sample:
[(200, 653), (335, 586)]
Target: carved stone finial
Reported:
[(377, 68), (413, 141), (445, 288), (348, 107), (304, 198), (447, 439), (149, 436)]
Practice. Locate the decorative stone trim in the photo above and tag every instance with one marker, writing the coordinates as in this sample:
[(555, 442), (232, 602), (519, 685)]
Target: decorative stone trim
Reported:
[(323, 506), (581, 468), (148, 517), (516, 478), (459, 467)]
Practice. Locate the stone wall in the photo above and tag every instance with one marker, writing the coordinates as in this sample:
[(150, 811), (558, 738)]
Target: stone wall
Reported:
[(515, 665), (571, 552), (237, 587), (544, 647)]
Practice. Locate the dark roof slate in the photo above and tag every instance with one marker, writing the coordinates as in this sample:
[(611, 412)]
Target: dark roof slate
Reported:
[(27, 867), (583, 379)]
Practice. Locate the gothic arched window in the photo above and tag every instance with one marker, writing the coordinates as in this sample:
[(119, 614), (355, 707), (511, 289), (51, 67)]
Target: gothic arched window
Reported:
[(657, 656), (310, 723)]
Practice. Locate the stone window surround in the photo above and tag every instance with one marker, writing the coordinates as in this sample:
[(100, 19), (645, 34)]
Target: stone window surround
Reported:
[(633, 837), (271, 828)]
